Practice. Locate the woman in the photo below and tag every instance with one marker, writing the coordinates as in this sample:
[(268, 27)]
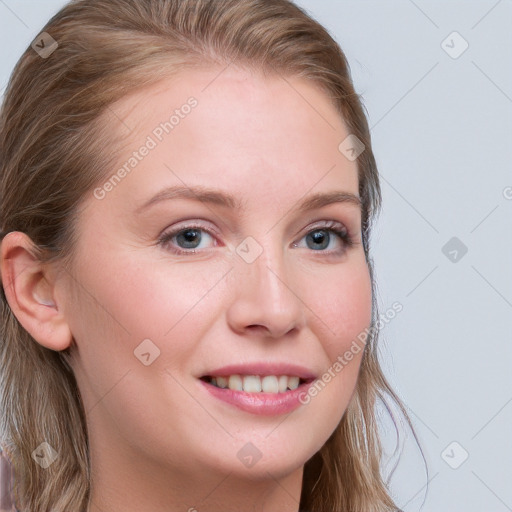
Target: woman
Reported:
[(188, 302)]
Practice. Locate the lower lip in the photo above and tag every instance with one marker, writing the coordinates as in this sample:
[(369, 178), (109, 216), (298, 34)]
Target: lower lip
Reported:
[(269, 404)]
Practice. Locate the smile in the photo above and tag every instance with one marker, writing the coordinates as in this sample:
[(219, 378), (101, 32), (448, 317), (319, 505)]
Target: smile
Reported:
[(259, 401)]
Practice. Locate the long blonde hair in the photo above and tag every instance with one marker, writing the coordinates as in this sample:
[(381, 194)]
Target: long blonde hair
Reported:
[(53, 151)]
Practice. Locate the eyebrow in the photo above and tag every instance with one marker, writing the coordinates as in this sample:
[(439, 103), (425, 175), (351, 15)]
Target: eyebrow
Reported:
[(220, 198)]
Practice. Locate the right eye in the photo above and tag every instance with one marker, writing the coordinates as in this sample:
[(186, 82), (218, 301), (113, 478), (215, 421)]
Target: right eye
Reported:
[(185, 240)]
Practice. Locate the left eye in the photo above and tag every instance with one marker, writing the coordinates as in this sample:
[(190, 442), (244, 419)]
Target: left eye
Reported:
[(321, 238)]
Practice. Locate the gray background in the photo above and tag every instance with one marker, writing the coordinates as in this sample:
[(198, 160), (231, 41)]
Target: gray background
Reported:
[(441, 127)]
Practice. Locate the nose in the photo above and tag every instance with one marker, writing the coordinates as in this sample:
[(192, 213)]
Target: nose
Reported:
[(266, 297)]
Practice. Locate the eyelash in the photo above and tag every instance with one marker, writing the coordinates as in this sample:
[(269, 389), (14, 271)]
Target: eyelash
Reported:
[(332, 227)]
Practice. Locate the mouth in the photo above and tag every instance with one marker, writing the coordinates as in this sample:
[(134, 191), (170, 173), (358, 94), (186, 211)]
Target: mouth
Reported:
[(256, 383)]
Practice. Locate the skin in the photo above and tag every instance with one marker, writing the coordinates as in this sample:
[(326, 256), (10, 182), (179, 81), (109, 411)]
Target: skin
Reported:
[(158, 441)]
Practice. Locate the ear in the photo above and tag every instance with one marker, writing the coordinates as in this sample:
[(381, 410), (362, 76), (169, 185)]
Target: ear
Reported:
[(30, 291)]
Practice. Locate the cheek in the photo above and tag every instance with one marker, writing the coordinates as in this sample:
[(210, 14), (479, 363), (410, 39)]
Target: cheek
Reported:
[(161, 299), (130, 301), (344, 307), (172, 305)]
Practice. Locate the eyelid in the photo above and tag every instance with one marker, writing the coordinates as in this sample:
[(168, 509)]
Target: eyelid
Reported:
[(189, 224), (326, 223)]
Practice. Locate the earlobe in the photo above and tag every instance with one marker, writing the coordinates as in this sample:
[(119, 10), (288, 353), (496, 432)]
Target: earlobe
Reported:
[(30, 292)]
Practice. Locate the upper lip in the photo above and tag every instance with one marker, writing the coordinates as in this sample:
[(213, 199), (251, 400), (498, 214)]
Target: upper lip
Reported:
[(262, 368)]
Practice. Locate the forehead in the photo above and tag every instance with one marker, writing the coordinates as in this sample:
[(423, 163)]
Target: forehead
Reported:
[(233, 129), (241, 85)]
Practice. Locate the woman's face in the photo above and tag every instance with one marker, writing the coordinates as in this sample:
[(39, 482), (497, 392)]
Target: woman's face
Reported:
[(225, 269)]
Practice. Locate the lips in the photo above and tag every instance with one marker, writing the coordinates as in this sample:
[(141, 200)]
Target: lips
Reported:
[(261, 377), (259, 403)]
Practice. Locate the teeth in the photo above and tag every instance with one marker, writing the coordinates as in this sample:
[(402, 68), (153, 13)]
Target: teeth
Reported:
[(283, 383), (222, 382), (257, 384), (293, 382), (252, 384), (235, 383), (269, 384)]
